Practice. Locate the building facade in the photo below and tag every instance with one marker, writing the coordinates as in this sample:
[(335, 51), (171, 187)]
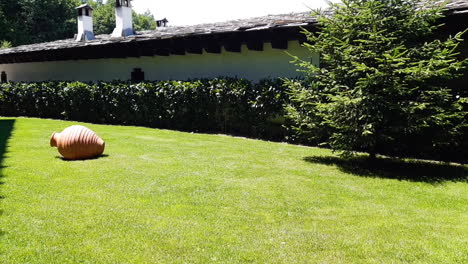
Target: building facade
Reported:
[(254, 49)]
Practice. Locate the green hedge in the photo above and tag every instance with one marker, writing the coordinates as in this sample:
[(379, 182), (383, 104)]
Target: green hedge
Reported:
[(233, 106)]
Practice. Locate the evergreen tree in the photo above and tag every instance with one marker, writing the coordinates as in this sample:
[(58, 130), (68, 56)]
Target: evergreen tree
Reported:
[(382, 84)]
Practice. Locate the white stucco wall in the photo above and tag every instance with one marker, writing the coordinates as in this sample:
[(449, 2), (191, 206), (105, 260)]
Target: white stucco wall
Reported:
[(252, 65), (85, 28)]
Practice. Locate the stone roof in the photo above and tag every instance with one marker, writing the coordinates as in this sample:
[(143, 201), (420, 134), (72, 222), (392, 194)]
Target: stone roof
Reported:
[(457, 6), (241, 25)]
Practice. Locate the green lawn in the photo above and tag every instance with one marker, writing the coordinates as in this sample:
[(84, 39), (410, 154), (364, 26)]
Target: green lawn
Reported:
[(160, 196)]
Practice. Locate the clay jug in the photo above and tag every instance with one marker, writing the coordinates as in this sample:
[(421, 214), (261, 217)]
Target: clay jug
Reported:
[(77, 142)]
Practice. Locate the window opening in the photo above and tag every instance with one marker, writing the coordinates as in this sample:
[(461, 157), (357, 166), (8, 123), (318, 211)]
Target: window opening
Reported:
[(3, 77), (138, 75)]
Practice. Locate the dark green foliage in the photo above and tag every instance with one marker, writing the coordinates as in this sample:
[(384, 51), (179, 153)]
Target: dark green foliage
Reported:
[(382, 86), (48, 20), (11, 28), (33, 21), (104, 17), (234, 106)]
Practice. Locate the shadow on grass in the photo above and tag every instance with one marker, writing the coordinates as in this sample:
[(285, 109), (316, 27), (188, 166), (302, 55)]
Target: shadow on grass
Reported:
[(95, 158), (6, 127), (388, 168)]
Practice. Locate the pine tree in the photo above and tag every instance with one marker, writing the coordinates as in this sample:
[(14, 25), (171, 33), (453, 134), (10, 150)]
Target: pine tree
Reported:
[(382, 84)]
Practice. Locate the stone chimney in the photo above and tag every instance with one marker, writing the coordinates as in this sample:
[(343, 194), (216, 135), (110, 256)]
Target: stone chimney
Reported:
[(162, 23), (123, 19), (85, 23)]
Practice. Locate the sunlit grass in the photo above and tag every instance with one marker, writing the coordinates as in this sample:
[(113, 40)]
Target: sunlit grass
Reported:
[(160, 196)]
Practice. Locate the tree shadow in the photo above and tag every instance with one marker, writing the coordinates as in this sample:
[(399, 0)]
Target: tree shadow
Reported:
[(389, 168), (6, 127)]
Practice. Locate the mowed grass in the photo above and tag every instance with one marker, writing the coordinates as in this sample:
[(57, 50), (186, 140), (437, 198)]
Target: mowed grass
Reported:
[(161, 196)]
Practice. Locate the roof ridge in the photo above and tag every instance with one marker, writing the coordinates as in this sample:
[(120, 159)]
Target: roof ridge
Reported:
[(273, 21)]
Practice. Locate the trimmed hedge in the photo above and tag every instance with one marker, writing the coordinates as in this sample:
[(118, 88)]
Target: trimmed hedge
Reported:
[(224, 105), (233, 106)]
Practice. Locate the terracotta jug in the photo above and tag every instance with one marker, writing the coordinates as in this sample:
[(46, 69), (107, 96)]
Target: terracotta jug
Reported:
[(77, 142)]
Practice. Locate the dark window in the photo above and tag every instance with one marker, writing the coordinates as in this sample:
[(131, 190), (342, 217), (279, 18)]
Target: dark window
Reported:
[(80, 12), (3, 77), (87, 12), (122, 3), (138, 75)]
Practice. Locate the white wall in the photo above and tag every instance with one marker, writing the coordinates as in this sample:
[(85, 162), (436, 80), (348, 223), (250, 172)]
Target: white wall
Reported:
[(85, 28), (123, 21), (253, 65)]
